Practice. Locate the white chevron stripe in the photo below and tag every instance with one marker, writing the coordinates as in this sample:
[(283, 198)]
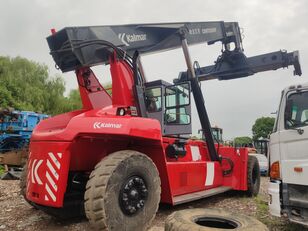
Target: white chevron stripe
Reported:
[(52, 170), (59, 155), (54, 159), (50, 193), (32, 171), (51, 181), (38, 179)]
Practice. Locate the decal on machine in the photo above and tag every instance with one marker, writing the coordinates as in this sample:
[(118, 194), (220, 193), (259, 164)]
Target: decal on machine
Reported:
[(98, 125), (130, 38), (197, 31), (210, 171), (34, 171), (53, 166), (195, 153), (52, 175)]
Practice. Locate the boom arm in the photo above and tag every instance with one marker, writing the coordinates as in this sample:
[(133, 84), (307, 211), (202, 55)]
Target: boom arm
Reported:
[(75, 47), (232, 65)]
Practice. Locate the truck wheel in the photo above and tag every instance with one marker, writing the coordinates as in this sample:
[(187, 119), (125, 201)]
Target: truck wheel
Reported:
[(210, 219), (123, 192), (253, 176)]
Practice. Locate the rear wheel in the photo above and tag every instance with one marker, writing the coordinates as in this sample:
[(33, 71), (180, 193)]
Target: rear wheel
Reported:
[(253, 176), (123, 192)]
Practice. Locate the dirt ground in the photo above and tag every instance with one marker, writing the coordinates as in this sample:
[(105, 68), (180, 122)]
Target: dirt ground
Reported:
[(16, 214)]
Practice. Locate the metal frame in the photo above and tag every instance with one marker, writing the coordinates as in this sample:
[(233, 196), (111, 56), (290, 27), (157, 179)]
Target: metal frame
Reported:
[(199, 101)]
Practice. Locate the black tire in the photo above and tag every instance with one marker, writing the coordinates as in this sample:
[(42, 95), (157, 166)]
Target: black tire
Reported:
[(103, 205), (253, 176), (211, 219)]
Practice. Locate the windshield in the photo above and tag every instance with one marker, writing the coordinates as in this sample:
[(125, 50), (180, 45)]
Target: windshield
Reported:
[(296, 111)]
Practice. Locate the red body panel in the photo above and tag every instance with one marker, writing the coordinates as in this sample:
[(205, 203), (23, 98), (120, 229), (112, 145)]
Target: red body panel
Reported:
[(122, 91), (96, 122), (239, 156), (92, 95), (195, 172), (78, 140), (48, 170)]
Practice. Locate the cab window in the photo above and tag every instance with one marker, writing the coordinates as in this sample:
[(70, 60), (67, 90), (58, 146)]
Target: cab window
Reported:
[(153, 99), (296, 111), (177, 96), (177, 116), (177, 100)]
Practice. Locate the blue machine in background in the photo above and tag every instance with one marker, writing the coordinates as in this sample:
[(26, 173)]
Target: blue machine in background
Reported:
[(16, 128)]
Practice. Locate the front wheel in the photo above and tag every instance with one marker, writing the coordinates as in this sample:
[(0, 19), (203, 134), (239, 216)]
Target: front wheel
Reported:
[(253, 176), (123, 192)]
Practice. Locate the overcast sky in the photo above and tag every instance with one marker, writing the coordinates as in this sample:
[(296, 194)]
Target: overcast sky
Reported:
[(233, 105)]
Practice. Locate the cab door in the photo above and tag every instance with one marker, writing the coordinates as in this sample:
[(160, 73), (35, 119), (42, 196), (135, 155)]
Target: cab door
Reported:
[(177, 119), (293, 138)]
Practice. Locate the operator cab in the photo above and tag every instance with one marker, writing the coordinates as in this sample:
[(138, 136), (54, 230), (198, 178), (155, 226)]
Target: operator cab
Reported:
[(170, 104), (217, 134)]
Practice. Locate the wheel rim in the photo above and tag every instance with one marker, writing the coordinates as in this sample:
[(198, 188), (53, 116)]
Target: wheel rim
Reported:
[(133, 195)]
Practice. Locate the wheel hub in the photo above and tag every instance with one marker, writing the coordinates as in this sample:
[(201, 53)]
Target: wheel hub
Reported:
[(133, 195)]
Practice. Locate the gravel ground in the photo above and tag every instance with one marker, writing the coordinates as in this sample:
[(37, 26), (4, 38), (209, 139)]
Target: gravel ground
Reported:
[(16, 214)]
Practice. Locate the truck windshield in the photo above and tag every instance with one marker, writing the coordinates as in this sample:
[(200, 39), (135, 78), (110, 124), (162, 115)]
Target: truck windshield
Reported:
[(296, 111)]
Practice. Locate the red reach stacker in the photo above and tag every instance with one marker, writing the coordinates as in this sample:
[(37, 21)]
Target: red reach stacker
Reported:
[(119, 156)]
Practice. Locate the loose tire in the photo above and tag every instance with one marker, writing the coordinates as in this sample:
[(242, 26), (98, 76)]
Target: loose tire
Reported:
[(211, 219), (253, 176), (123, 192)]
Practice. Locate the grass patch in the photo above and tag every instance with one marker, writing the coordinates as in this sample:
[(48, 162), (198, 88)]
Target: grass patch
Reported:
[(1, 169), (274, 223)]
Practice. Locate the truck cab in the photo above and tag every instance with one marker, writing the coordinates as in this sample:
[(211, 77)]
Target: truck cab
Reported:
[(288, 187)]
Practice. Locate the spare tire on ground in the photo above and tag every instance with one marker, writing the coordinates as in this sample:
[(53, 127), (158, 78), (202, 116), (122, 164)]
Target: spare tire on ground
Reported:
[(210, 220)]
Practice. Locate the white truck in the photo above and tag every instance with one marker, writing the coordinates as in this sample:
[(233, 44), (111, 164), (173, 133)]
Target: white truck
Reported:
[(288, 187)]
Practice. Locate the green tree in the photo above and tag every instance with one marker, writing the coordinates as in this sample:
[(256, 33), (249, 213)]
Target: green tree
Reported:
[(26, 85), (262, 127), (242, 140), (108, 88), (72, 102)]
